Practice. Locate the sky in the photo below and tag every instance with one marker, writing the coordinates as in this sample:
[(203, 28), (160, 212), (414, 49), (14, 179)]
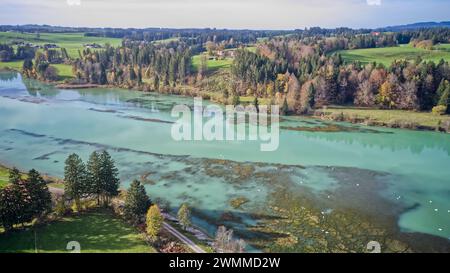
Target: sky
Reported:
[(233, 14)]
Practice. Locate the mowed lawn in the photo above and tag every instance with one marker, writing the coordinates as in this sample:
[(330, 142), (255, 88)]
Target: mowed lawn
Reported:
[(97, 232), (388, 54)]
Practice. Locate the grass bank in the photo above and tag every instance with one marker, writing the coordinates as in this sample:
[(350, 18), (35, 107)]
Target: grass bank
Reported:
[(97, 232), (4, 176), (390, 118)]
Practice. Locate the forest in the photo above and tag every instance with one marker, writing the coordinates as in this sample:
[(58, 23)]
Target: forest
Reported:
[(300, 70)]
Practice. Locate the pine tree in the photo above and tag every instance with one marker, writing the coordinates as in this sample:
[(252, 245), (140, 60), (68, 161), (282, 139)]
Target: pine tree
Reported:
[(10, 207), (154, 221), (236, 100), (94, 175), (75, 178), (41, 200), (137, 202), (184, 215), (14, 176), (445, 99), (441, 89), (27, 67), (132, 73), (102, 78), (109, 177), (139, 76), (256, 104)]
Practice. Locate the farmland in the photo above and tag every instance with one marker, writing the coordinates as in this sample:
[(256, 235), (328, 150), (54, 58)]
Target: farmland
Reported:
[(212, 64), (72, 42), (388, 54)]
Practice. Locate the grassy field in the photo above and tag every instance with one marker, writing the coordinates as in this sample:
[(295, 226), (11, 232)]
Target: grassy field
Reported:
[(4, 176), (70, 41), (388, 54), (387, 116), (64, 71), (97, 232), (211, 64), (164, 41), (16, 65)]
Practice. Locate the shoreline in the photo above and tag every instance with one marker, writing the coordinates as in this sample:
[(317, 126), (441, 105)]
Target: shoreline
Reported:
[(335, 115)]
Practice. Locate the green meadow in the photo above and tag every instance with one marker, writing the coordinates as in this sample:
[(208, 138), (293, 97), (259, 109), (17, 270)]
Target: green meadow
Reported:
[(384, 116), (4, 176), (388, 54), (97, 232), (72, 42), (212, 64)]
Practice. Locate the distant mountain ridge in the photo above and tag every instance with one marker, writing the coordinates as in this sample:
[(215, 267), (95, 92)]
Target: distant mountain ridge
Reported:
[(416, 26), (50, 28)]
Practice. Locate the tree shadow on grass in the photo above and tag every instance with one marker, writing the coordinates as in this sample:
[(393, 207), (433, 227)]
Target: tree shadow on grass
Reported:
[(95, 231)]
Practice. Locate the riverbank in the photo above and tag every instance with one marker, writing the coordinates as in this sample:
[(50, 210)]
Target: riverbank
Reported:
[(52, 181), (386, 118), (402, 119)]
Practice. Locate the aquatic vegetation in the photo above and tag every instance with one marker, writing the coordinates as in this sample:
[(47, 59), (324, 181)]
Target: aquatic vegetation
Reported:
[(148, 119), (331, 128), (376, 169), (237, 202), (303, 227)]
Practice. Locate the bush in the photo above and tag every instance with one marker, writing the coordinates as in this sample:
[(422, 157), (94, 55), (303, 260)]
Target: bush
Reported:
[(439, 110), (338, 116), (61, 208)]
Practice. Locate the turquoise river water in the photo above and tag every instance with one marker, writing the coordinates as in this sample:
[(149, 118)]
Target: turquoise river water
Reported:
[(40, 125)]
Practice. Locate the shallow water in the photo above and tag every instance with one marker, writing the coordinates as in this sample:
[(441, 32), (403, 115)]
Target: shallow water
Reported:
[(40, 125)]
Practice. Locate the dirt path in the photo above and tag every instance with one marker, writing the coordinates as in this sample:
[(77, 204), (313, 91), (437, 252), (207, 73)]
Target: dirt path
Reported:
[(183, 238)]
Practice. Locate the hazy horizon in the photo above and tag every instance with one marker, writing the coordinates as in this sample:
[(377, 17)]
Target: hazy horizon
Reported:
[(233, 14)]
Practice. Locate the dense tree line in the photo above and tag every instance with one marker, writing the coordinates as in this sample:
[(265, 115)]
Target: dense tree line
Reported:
[(305, 77), (40, 67), (163, 65), (7, 53), (99, 178), (24, 199)]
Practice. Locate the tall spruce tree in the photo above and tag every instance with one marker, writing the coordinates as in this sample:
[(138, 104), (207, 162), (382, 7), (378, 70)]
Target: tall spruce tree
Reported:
[(75, 179), (14, 176), (94, 175), (445, 99), (109, 176), (41, 199), (137, 202)]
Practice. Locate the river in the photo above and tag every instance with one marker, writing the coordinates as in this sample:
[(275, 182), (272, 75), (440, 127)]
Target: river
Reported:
[(397, 174)]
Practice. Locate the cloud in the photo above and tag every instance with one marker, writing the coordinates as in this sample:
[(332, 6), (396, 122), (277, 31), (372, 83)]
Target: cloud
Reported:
[(254, 14), (374, 2)]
